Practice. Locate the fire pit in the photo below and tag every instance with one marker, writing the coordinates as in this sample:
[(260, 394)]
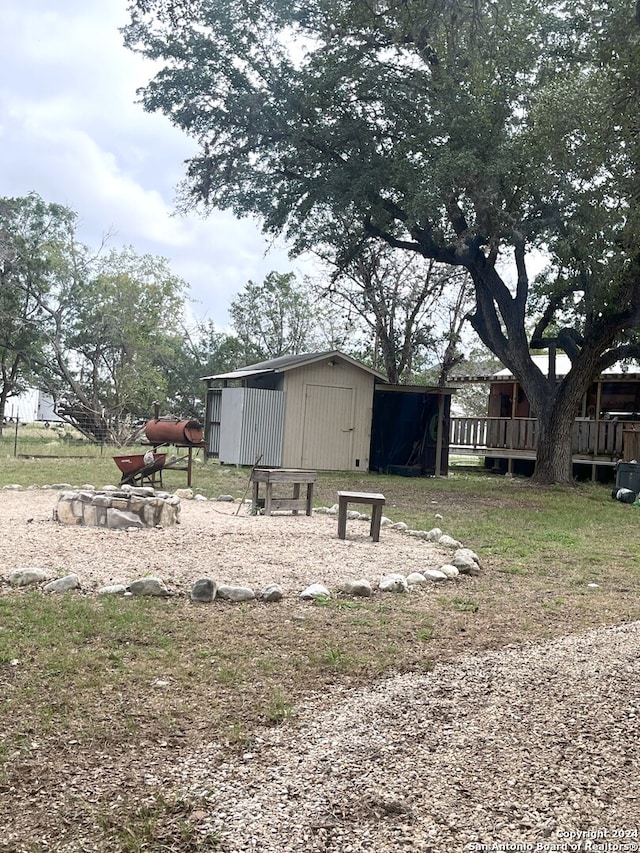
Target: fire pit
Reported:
[(118, 509)]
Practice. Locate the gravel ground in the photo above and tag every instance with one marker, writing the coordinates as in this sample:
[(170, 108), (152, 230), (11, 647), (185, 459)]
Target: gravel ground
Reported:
[(211, 541), (535, 746), (528, 748)]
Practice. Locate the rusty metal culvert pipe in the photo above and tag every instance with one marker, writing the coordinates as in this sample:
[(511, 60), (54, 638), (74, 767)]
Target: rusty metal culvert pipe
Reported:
[(171, 431)]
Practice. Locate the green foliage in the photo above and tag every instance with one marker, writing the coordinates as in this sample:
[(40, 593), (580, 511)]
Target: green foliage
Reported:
[(37, 254), (273, 318), (104, 334), (467, 133), (124, 332)]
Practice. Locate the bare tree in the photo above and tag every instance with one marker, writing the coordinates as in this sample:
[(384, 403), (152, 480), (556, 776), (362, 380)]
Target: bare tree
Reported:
[(414, 309)]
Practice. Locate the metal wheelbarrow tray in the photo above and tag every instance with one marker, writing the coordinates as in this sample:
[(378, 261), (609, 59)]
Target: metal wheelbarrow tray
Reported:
[(135, 471)]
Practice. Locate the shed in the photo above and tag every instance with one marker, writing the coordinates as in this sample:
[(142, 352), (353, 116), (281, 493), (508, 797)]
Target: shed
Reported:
[(312, 410)]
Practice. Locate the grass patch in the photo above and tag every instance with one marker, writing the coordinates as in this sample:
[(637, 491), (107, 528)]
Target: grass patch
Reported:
[(102, 688)]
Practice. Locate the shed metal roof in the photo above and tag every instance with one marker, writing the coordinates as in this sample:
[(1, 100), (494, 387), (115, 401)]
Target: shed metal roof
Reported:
[(289, 362)]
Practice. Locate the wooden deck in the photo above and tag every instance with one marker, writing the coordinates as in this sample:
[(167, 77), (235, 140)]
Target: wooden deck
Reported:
[(594, 442)]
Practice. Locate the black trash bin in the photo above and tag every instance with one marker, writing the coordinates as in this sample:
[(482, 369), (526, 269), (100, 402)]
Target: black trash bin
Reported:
[(628, 476)]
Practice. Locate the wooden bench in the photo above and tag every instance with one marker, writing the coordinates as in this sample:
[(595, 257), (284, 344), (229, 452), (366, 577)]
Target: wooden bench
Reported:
[(376, 501), (276, 477)]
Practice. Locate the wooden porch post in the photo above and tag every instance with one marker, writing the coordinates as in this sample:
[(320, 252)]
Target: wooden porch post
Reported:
[(438, 470), (596, 437), (512, 425)]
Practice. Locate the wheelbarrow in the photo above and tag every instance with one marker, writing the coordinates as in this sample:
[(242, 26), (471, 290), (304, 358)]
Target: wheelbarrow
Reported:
[(136, 473)]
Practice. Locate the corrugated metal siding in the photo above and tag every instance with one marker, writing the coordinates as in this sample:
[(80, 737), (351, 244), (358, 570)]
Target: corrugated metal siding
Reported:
[(214, 416), (251, 426)]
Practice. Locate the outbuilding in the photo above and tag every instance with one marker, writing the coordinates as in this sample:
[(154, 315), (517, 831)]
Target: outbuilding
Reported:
[(312, 410)]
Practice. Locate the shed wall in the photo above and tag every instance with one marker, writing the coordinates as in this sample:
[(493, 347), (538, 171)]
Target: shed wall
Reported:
[(327, 423), (251, 426)]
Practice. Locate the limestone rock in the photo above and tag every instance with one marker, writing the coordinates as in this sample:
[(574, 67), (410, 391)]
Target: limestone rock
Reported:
[(235, 593), (393, 583), (315, 591), (450, 571), (113, 589), (122, 519), (149, 586), (448, 541), (416, 579), (204, 590), (360, 588), (435, 575), (27, 576), (186, 494), (272, 592), (225, 499), (465, 563), (62, 584), (434, 534), (467, 552)]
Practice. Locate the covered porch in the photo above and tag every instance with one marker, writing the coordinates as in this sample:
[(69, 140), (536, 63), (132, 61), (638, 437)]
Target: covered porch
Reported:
[(595, 443), (605, 430)]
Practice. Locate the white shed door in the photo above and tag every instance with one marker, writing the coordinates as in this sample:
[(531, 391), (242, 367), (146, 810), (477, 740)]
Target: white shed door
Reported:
[(327, 438)]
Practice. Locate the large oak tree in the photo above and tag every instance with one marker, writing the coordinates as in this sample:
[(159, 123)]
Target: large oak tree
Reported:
[(468, 131)]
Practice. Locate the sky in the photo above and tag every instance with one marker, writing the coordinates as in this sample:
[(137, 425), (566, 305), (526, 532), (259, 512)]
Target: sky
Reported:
[(72, 131)]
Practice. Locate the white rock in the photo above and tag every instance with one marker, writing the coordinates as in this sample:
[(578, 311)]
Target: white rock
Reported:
[(235, 593), (448, 541), (361, 588), (24, 577), (416, 579), (62, 584), (187, 494), (465, 564), (399, 525), (467, 552), (450, 571), (13, 487), (113, 589), (200, 498), (385, 522), (393, 583), (434, 534), (148, 586), (434, 575), (316, 590)]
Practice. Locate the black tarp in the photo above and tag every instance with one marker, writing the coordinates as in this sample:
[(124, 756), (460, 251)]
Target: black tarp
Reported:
[(404, 431)]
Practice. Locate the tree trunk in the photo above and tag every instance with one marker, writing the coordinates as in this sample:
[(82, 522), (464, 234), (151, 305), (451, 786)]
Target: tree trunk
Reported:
[(554, 458)]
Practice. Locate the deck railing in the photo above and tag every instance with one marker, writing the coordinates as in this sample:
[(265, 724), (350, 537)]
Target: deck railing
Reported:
[(590, 438)]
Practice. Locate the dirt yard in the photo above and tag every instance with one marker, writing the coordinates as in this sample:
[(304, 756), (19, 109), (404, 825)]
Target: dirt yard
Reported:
[(212, 540), (533, 743)]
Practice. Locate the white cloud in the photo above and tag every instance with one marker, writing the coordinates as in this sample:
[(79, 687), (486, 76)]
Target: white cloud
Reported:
[(71, 130)]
